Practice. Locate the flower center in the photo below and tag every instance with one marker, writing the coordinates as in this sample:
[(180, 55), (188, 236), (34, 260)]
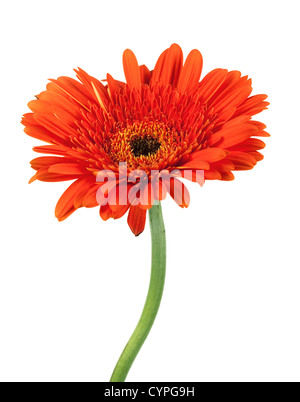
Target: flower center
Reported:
[(145, 146)]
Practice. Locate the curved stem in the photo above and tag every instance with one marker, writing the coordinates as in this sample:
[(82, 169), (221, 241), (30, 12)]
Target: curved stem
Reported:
[(155, 291)]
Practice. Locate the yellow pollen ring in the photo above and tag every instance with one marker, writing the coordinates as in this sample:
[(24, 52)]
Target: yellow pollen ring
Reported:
[(165, 146)]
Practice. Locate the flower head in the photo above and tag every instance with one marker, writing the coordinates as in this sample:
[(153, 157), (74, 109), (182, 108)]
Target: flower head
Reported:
[(158, 123)]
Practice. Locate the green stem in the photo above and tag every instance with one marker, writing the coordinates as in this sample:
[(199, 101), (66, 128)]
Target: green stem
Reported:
[(155, 292)]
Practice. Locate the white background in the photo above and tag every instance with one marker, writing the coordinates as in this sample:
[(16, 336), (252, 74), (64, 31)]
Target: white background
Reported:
[(72, 292)]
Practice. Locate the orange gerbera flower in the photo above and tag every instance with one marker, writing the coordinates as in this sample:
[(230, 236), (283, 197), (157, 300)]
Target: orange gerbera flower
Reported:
[(158, 120)]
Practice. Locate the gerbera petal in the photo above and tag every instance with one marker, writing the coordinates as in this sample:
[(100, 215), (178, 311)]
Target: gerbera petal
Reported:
[(202, 159), (253, 105), (113, 86), (210, 154), (211, 83), (90, 198), (260, 126), (65, 204), (178, 192), (117, 211), (232, 82), (105, 212), (45, 107), (74, 89), (145, 74), (191, 71), (171, 66), (212, 175), (159, 67), (131, 69), (136, 219), (232, 100), (222, 166), (68, 168), (29, 120), (195, 164), (227, 176), (241, 160), (257, 155), (96, 90), (41, 133), (51, 149), (251, 144), (57, 99), (81, 199), (235, 134), (44, 175), (46, 161), (55, 125)]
